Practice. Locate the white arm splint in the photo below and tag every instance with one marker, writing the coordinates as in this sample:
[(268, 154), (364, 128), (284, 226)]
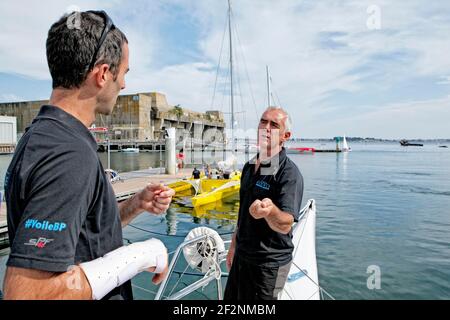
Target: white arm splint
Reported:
[(118, 266)]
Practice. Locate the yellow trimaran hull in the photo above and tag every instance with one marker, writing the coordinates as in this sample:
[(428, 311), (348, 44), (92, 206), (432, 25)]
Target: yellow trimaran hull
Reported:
[(181, 185), (210, 190), (224, 189), (217, 211)]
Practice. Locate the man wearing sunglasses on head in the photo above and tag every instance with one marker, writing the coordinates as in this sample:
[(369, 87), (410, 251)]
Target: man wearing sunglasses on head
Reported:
[(64, 224)]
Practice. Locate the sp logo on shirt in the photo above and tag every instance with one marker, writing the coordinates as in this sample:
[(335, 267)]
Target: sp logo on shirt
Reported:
[(38, 243)]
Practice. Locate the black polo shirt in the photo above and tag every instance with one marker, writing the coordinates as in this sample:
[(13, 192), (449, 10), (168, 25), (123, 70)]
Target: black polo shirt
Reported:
[(62, 210), (281, 181), (196, 173)]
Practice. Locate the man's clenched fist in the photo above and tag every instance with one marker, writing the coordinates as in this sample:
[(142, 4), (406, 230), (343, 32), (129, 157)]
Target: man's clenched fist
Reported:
[(261, 209)]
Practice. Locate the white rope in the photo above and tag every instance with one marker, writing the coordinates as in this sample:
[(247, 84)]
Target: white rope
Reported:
[(179, 279), (315, 283), (143, 289)]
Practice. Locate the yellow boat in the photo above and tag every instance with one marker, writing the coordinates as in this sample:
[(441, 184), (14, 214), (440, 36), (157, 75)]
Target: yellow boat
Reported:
[(213, 190), (218, 210), (184, 185)]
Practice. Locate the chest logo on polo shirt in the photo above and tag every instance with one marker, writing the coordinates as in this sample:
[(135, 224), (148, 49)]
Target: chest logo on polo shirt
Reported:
[(263, 185)]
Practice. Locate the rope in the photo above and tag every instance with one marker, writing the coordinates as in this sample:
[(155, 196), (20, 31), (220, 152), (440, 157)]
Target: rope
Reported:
[(176, 284), (279, 101), (225, 275), (273, 98), (245, 63), (164, 296), (224, 88), (241, 95), (276, 95), (218, 67), (315, 283), (171, 235), (143, 289), (313, 294)]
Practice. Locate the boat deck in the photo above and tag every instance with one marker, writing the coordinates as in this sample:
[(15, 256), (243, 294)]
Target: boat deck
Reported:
[(135, 181)]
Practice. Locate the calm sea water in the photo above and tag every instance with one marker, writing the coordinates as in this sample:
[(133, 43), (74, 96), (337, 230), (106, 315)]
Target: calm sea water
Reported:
[(381, 206)]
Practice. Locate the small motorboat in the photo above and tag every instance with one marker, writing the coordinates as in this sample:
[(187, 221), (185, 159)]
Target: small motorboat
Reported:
[(406, 143), (300, 150), (131, 150)]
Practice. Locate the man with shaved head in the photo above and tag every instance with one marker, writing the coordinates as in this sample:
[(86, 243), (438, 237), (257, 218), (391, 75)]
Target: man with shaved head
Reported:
[(260, 254)]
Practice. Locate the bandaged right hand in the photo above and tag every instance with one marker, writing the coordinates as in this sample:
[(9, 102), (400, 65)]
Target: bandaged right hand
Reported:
[(159, 276), (122, 264)]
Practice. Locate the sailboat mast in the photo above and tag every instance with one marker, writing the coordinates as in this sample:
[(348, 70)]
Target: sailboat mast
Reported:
[(231, 75), (268, 87)]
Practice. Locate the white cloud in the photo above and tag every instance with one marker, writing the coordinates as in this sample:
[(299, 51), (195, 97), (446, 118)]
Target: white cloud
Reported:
[(9, 97), (177, 83), (444, 80), (24, 26), (416, 119)]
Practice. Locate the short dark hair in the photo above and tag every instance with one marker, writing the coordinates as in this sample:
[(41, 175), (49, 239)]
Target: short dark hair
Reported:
[(71, 45)]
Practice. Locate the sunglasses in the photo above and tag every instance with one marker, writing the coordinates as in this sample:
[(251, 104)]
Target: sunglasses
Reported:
[(109, 25)]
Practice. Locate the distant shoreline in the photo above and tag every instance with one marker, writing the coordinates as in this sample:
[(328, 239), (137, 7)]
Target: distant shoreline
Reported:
[(357, 139)]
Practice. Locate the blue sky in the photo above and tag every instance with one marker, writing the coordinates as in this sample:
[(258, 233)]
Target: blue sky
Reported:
[(331, 69)]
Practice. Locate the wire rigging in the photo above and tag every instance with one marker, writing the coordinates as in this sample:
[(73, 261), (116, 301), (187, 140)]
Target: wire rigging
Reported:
[(238, 54), (169, 235), (245, 64), (218, 66)]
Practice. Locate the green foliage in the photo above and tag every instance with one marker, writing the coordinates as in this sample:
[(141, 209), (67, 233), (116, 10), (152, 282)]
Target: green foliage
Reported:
[(177, 111)]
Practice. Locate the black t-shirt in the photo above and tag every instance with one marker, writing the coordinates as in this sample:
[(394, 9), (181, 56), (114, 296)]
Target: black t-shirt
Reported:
[(196, 174), (282, 182), (62, 210)]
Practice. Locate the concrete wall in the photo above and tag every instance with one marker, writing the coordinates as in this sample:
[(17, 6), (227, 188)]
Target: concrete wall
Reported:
[(8, 130), (25, 112), (140, 117)]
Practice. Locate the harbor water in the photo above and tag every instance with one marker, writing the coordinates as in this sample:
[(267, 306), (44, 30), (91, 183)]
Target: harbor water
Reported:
[(382, 211)]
